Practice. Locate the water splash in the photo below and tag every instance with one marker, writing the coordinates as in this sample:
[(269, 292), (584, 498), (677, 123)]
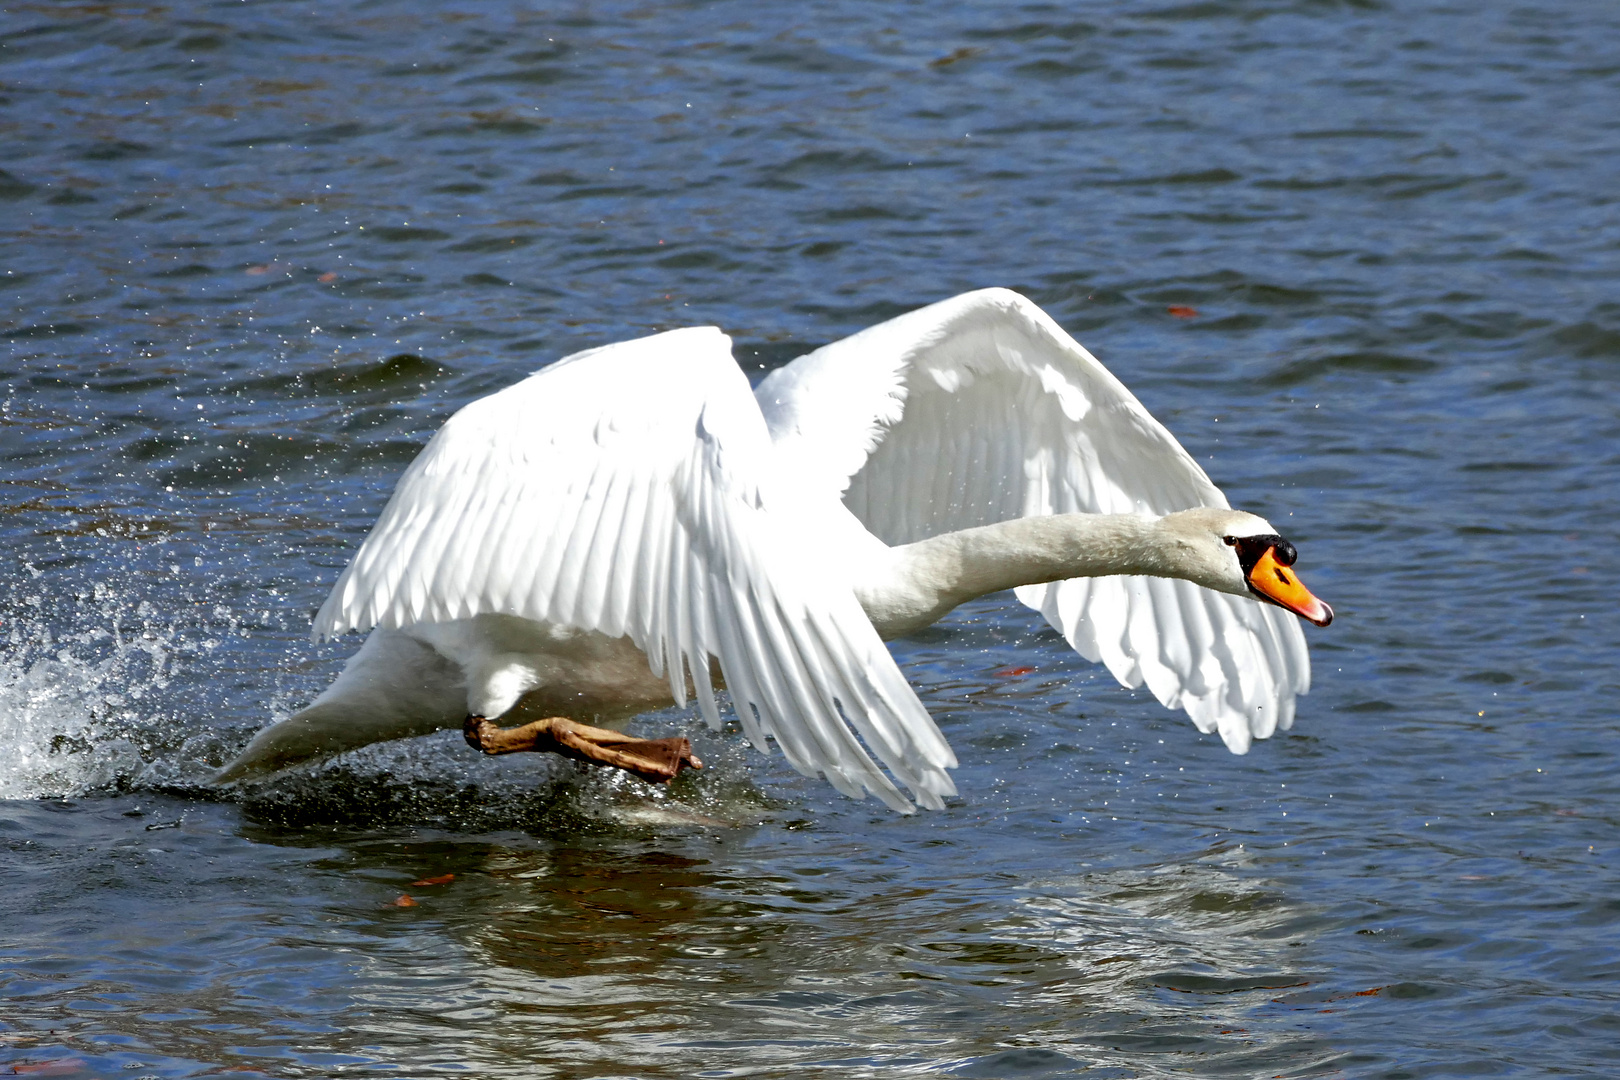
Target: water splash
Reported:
[(436, 782), (72, 707), (86, 691), (100, 709), (119, 675)]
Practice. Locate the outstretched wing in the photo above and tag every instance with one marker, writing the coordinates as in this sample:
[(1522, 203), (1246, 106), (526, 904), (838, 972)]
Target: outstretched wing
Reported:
[(981, 409), (626, 490)]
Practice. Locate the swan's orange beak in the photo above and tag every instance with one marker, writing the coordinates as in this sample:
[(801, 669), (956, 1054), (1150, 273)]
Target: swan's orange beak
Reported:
[(1282, 587)]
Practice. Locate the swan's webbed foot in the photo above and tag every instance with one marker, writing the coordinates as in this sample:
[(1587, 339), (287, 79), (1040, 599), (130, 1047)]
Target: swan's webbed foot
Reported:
[(653, 760)]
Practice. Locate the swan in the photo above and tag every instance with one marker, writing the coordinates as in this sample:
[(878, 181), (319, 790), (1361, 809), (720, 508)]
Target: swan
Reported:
[(633, 525)]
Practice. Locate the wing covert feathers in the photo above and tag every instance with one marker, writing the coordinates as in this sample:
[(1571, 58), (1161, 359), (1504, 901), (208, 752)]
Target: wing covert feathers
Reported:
[(980, 409), (628, 491)]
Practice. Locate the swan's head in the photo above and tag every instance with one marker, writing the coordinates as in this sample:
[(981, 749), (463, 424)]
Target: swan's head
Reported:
[(1242, 554)]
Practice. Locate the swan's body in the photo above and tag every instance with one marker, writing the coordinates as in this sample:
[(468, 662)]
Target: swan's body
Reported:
[(584, 542)]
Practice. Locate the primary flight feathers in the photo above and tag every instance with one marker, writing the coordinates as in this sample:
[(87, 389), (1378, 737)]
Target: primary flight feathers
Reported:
[(981, 408)]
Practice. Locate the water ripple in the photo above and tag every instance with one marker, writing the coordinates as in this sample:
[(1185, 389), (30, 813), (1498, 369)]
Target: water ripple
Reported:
[(1360, 260)]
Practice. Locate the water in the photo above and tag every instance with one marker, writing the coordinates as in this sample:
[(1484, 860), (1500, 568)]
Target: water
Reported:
[(255, 252)]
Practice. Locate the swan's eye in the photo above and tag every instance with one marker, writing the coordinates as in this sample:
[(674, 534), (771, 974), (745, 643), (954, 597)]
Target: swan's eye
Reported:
[(1230, 541)]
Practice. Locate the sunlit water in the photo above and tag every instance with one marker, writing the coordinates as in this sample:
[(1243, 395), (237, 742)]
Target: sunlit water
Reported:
[(254, 253)]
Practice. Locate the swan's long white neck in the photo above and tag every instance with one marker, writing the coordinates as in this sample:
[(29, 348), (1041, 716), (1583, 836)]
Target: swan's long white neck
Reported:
[(918, 583)]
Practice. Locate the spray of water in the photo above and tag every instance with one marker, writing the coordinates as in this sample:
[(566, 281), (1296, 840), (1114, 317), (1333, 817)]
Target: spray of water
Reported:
[(104, 692), (82, 705)]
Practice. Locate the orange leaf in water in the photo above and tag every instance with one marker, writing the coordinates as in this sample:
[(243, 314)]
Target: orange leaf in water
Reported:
[(1011, 672), (403, 901), (1182, 311), (959, 54), (1368, 993), (60, 1066), (442, 879)]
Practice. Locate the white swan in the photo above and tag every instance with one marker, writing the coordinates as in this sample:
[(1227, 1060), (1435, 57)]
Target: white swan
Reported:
[(586, 543)]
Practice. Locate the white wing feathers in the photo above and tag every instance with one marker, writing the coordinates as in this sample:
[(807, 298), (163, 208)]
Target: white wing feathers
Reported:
[(980, 409), (647, 511)]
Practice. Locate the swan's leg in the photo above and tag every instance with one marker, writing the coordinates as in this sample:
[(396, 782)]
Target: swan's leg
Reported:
[(654, 760)]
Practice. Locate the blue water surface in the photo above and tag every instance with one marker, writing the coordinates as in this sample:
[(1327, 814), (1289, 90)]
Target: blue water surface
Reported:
[(255, 252)]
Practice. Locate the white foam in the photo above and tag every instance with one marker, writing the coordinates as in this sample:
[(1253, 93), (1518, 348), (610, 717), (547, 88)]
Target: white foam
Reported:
[(71, 715)]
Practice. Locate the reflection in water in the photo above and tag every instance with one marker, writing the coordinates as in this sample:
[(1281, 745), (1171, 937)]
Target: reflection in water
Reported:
[(660, 957), (660, 951), (1172, 937)]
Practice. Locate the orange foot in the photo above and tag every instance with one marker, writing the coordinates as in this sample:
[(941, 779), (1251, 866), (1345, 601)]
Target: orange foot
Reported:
[(653, 760)]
